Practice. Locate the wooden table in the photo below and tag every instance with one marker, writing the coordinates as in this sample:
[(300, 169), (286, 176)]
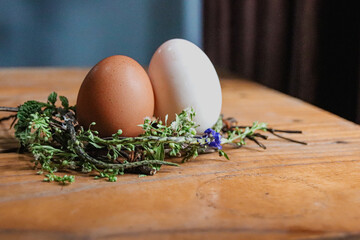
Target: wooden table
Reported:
[(288, 191)]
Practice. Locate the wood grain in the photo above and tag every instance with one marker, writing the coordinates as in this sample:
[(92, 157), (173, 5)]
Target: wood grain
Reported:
[(288, 191)]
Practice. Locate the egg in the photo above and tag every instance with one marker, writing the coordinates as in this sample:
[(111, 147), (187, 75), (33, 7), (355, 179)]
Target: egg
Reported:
[(115, 94), (182, 76)]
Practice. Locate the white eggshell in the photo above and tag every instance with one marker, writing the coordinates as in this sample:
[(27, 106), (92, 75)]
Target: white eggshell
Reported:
[(183, 76)]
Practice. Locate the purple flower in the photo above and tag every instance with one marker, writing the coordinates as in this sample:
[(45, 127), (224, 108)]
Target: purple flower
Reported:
[(216, 142)]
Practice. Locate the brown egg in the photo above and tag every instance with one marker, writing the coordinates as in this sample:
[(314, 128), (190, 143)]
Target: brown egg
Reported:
[(116, 94)]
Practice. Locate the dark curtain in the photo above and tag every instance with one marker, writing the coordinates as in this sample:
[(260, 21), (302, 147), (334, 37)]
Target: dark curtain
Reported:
[(305, 48)]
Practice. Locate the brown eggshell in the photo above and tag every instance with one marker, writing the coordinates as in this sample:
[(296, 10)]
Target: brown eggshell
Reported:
[(116, 94)]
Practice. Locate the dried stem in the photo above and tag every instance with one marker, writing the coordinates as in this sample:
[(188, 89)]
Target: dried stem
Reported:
[(9, 150), (100, 164), (261, 136), (288, 139), (8, 117), (273, 131), (252, 138), (9, 109), (285, 131), (146, 170)]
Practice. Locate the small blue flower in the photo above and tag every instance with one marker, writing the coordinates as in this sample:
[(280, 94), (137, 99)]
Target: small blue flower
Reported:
[(216, 142), (209, 130)]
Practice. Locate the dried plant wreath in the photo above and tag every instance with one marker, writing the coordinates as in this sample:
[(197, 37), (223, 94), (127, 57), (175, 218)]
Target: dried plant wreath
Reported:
[(57, 142)]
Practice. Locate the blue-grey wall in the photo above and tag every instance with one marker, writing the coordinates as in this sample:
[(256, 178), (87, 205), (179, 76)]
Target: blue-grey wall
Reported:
[(82, 32)]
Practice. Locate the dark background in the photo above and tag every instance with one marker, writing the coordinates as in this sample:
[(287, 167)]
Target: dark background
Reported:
[(306, 48)]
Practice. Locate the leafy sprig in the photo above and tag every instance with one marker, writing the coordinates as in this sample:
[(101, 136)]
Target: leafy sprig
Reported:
[(52, 135)]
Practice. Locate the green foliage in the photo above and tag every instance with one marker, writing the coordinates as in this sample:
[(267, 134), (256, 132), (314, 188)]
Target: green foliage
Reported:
[(238, 135), (24, 117), (52, 98), (183, 125), (219, 124), (62, 180), (64, 102), (110, 174), (223, 154)]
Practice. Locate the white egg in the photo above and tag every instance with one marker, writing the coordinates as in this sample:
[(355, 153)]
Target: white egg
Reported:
[(183, 76)]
